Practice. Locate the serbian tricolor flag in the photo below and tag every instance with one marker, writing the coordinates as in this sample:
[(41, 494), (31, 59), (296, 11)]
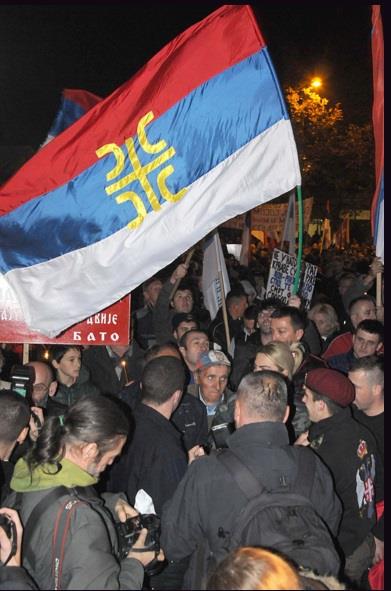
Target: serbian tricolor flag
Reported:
[(74, 103), (199, 135), (377, 212)]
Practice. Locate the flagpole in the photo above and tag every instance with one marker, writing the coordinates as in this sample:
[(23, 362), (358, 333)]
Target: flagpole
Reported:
[(177, 282), (300, 241), (379, 302), (26, 353), (223, 294)]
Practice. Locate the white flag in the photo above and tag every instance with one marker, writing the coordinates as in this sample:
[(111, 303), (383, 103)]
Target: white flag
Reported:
[(289, 234), (213, 270)]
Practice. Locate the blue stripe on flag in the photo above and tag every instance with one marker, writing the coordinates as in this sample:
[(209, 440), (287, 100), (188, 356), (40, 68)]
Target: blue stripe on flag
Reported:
[(237, 105), (68, 113)]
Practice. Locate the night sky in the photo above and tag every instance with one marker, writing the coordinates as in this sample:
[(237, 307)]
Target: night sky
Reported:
[(98, 47)]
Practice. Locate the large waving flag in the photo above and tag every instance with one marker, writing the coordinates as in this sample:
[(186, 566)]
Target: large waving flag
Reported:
[(74, 103), (377, 213), (199, 135)]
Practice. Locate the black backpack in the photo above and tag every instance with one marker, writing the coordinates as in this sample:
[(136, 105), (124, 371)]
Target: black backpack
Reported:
[(284, 519)]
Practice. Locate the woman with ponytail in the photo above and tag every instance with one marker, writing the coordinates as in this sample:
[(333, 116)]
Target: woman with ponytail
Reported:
[(59, 507)]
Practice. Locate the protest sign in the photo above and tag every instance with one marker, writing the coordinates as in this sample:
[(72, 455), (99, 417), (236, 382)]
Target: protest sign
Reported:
[(282, 275)]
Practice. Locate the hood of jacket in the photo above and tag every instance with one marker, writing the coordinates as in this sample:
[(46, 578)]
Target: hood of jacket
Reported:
[(46, 476)]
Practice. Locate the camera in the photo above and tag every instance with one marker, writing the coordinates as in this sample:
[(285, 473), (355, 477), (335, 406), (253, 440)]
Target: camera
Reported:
[(129, 531), (22, 381), (220, 434)]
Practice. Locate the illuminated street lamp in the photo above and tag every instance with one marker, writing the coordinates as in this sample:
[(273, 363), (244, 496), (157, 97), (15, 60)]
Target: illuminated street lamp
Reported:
[(316, 82)]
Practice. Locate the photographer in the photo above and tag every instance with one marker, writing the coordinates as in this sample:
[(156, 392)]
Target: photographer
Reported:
[(14, 426), (70, 535), (12, 575)]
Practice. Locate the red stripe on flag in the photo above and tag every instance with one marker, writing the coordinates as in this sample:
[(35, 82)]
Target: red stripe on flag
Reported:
[(378, 102), (199, 53)]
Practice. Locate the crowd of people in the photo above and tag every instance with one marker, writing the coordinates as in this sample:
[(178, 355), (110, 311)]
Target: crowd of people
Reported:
[(257, 441)]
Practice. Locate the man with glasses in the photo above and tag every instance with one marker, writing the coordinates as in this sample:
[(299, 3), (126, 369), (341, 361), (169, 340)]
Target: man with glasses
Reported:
[(44, 388)]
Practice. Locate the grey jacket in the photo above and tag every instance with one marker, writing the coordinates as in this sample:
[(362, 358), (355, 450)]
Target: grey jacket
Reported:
[(90, 560)]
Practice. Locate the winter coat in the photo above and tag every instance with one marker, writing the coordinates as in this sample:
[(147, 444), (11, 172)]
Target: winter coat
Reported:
[(15, 578), (155, 459), (342, 362), (349, 450), (89, 555), (208, 499), (69, 394)]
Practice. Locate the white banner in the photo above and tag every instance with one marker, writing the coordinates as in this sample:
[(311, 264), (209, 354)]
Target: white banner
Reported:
[(213, 270)]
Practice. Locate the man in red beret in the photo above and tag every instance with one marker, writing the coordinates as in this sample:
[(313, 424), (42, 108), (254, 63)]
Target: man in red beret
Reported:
[(348, 449)]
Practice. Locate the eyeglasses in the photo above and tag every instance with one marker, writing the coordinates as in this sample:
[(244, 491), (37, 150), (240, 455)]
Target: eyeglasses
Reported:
[(40, 388)]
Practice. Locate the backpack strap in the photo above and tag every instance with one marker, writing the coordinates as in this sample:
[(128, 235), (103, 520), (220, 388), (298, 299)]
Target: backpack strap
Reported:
[(61, 526), (41, 507), (248, 484), (252, 487), (60, 534)]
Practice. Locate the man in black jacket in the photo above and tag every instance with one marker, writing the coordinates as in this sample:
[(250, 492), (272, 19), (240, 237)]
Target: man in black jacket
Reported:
[(208, 499), (367, 376), (156, 459), (349, 450)]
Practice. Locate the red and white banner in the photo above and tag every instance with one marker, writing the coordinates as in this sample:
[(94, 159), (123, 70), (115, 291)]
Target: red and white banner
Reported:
[(109, 327)]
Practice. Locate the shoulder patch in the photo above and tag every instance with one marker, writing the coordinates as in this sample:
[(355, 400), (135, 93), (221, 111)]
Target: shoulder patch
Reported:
[(362, 449)]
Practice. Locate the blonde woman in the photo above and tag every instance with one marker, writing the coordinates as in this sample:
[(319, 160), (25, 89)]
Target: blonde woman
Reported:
[(281, 357)]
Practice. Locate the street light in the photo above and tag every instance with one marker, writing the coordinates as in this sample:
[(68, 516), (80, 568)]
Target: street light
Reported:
[(316, 82)]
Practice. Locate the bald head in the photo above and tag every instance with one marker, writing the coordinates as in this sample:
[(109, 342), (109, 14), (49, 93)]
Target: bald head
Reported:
[(362, 308), (45, 384)]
